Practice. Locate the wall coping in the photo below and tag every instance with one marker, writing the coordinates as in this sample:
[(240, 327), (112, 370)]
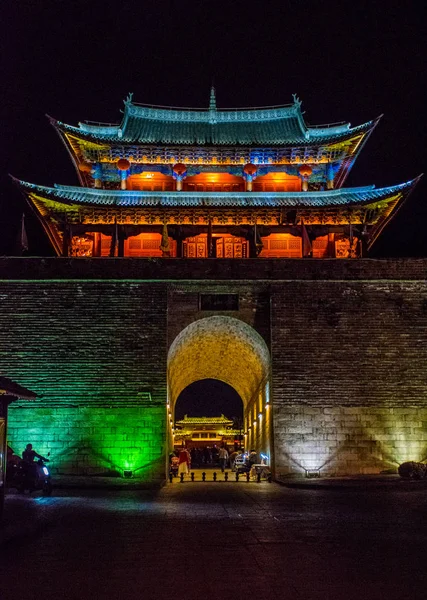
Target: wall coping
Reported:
[(181, 269)]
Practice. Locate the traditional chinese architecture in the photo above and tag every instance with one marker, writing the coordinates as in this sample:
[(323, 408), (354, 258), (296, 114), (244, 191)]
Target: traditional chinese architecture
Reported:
[(327, 356), (205, 431), (214, 183)]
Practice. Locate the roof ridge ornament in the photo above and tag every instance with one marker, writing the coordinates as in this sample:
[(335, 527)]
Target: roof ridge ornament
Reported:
[(212, 107), (297, 101), (129, 98)]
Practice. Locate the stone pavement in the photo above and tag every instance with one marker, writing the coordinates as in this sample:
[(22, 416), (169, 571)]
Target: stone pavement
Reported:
[(217, 540)]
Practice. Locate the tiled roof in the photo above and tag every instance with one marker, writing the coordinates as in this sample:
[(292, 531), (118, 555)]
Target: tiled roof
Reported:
[(119, 198), (222, 420), (262, 126)]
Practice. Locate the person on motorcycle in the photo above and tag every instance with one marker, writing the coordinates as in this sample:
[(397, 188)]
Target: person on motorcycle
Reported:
[(29, 455)]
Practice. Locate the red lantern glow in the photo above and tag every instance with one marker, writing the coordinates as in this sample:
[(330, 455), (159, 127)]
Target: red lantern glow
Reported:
[(249, 169), (123, 164), (179, 168), (305, 170)]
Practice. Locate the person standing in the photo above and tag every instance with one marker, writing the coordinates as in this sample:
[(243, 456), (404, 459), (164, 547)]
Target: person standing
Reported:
[(223, 457), (232, 457), (184, 461)]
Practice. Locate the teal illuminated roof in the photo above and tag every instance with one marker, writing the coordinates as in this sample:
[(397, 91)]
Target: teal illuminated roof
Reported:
[(279, 125), (119, 198)]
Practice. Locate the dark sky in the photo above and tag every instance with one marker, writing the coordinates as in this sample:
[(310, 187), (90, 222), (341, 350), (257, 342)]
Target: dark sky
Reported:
[(352, 61), (209, 398)]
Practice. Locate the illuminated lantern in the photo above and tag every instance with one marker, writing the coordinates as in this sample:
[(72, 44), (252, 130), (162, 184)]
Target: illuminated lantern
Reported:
[(179, 169), (85, 167), (123, 164), (249, 169), (305, 171)]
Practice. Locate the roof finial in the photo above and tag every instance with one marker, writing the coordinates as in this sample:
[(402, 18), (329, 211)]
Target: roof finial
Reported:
[(212, 102)]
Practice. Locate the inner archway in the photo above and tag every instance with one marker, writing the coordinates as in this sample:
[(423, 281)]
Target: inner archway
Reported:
[(208, 416), (229, 350)]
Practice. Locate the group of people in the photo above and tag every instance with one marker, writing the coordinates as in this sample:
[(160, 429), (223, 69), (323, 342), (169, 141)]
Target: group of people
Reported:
[(200, 457)]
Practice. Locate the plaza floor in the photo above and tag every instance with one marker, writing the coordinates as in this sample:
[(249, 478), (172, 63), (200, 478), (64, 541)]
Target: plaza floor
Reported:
[(216, 540)]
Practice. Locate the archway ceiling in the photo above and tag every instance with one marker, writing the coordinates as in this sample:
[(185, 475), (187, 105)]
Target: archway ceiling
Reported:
[(221, 348)]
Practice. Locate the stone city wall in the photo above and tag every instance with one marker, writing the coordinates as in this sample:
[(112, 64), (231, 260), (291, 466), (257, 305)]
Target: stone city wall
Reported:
[(95, 352), (346, 440), (348, 342), (349, 375)]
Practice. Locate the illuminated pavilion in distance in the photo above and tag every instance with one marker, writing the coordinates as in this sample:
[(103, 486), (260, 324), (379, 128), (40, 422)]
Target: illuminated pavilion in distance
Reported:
[(214, 183)]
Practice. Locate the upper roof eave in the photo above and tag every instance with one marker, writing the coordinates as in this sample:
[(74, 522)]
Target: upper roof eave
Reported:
[(119, 198), (108, 135)]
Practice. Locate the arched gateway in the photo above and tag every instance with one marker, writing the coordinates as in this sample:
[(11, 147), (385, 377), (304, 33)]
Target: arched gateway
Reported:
[(227, 349)]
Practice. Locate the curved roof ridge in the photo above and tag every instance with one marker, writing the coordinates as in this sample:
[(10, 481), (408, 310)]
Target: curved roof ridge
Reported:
[(204, 115), (326, 131)]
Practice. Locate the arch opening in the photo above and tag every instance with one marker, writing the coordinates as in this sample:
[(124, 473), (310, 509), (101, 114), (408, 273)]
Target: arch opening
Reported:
[(230, 351), (208, 415)]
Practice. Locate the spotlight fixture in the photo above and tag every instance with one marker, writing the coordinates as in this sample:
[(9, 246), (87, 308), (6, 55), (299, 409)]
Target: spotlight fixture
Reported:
[(127, 473), (311, 473)]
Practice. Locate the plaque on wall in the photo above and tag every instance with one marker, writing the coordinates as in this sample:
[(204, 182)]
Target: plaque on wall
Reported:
[(219, 302)]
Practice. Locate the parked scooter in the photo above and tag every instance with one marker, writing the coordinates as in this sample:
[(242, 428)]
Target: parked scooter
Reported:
[(32, 477)]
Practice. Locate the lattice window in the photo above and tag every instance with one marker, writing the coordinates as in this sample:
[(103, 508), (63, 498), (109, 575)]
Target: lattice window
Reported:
[(295, 244), (278, 244), (134, 243), (150, 244)]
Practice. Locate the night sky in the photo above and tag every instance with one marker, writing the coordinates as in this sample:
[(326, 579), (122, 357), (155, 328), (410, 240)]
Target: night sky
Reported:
[(209, 398), (77, 60)]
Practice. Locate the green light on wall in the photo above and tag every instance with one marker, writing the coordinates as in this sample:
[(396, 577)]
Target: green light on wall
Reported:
[(95, 441)]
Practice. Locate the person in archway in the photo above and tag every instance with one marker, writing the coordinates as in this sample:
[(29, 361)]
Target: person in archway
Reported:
[(223, 457), (184, 461), (232, 457)]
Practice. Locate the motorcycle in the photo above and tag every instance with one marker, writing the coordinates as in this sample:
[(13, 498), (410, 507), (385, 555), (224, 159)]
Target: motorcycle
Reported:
[(32, 477)]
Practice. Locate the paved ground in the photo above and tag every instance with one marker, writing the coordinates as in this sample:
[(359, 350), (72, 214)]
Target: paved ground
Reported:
[(233, 541)]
